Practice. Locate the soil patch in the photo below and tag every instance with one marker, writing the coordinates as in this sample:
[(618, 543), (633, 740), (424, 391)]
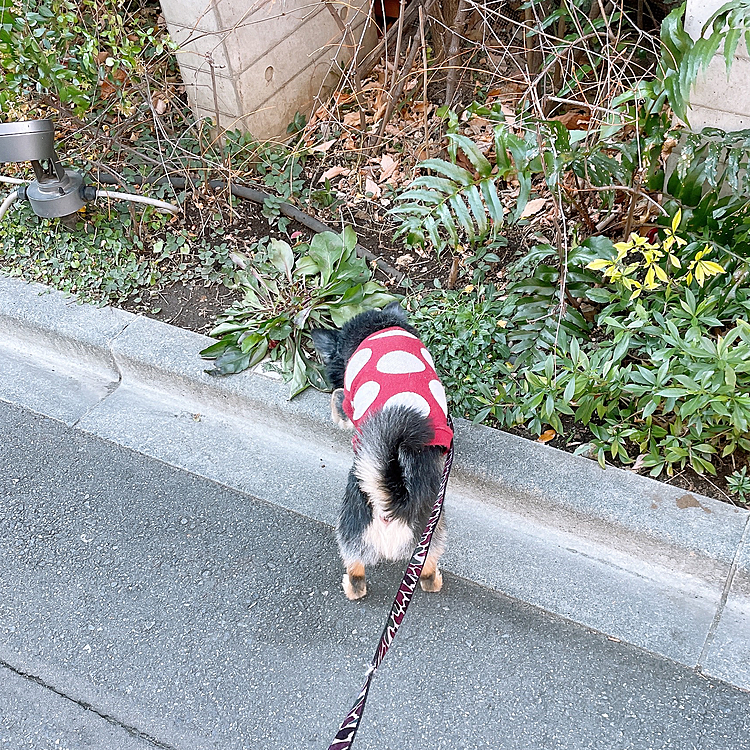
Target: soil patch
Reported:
[(189, 305)]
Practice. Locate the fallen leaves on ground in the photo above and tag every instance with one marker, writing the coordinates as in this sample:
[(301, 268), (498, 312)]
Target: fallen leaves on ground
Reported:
[(335, 171), (533, 207)]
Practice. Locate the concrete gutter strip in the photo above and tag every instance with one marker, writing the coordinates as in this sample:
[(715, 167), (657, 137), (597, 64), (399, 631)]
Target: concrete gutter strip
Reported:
[(161, 357), (515, 506), (537, 481), (614, 506), (36, 319)]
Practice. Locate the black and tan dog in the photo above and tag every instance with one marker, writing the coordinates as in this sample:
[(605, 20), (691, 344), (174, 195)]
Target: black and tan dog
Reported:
[(387, 391)]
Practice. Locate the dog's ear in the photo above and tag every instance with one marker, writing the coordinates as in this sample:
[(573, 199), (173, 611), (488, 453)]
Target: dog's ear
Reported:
[(326, 343), (394, 308)]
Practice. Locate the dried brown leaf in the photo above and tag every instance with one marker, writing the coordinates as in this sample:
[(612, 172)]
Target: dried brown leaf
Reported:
[(575, 120), (388, 165), (533, 207), (333, 172), (351, 118), (323, 147), (372, 187)]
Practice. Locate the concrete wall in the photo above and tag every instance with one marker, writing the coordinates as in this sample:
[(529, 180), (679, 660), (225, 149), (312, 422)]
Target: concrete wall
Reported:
[(261, 62), (717, 101)]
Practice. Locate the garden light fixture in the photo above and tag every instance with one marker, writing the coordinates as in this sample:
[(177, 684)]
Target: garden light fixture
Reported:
[(56, 192)]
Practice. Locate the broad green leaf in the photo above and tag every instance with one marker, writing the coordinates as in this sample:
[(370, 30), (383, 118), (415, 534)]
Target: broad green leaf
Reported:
[(217, 349), (475, 156), (446, 219), (231, 361), (306, 266), (281, 257), (298, 381), (425, 187), (478, 210), (326, 249), (229, 327), (462, 214), (492, 201), (569, 391), (458, 174)]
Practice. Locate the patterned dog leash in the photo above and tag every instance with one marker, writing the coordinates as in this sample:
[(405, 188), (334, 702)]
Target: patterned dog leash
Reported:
[(349, 726)]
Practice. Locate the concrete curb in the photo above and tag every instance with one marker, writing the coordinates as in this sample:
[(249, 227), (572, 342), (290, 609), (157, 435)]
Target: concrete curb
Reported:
[(623, 554)]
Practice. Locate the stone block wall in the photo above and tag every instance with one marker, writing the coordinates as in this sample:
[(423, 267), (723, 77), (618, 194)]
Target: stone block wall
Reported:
[(718, 101), (259, 62)]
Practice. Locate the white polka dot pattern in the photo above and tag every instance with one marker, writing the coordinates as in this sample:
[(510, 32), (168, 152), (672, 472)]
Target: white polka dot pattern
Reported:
[(363, 398), (407, 398), (399, 363), (356, 363), (438, 392), (392, 368), (398, 332)]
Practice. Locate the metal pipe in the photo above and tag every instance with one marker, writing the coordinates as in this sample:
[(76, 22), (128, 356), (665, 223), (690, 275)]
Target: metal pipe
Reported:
[(8, 202), (170, 207)]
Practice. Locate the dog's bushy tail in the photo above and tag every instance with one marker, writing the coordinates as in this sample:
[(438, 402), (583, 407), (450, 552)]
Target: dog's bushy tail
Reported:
[(396, 467)]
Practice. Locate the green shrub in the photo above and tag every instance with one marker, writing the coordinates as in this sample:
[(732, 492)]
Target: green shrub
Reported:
[(78, 52), (643, 342), (286, 293), (97, 261), (654, 382), (465, 333), (739, 484)]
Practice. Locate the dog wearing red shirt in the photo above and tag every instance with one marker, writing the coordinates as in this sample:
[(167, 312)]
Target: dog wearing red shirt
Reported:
[(387, 392)]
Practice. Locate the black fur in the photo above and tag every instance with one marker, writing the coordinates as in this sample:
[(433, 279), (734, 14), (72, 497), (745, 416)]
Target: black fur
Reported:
[(336, 347), (393, 459), (397, 439), (355, 514)]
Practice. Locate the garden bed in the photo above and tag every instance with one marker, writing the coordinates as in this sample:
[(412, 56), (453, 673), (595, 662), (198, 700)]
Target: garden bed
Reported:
[(569, 288), (197, 306)]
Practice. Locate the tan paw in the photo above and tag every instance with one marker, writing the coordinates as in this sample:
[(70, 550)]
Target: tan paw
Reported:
[(354, 588), (338, 415), (432, 583)]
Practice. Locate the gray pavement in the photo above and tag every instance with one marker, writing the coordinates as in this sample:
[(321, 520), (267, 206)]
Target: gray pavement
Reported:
[(144, 606), (168, 575)]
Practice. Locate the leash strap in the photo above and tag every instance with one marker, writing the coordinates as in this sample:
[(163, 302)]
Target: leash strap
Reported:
[(348, 729)]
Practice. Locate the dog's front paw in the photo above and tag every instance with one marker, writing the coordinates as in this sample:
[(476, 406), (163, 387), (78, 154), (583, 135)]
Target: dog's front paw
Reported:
[(338, 415), (355, 587), (432, 583)]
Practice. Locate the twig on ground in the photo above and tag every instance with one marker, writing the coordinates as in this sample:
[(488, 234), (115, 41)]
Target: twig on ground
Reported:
[(346, 29), (424, 77), (370, 60)]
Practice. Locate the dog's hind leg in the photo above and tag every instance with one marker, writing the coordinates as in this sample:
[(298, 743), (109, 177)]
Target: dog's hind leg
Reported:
[(355, 586), (338, 415), (431, 579), (354, 518)]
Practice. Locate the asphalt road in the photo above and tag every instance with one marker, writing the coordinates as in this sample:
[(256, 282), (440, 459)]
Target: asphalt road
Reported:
[(141, 606)]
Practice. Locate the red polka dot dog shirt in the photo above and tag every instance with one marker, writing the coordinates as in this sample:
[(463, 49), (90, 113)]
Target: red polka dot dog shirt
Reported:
[(393, 368)]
